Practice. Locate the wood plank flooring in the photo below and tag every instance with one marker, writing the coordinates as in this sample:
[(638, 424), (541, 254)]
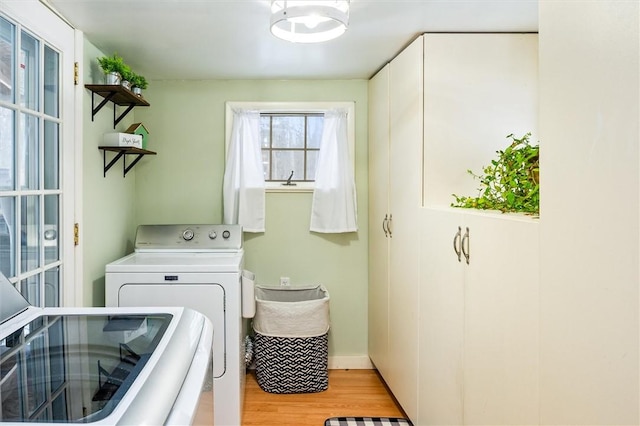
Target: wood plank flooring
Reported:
[(350, 393), (358, 393)]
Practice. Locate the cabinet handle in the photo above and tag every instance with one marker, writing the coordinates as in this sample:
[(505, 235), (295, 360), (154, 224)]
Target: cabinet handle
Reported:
[(456, 244), (467, 253), (384, 225), (389, 222)]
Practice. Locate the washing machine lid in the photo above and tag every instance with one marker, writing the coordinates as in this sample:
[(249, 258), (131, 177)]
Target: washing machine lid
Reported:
[(95, 365), (177, 262)]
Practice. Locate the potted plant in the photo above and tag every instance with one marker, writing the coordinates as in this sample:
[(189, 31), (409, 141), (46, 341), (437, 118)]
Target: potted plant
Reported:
[(112, 66), (127, 74), (138, 84), (511, 182)]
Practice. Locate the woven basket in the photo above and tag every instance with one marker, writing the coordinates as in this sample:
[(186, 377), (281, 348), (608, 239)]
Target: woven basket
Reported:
[(291, 364)]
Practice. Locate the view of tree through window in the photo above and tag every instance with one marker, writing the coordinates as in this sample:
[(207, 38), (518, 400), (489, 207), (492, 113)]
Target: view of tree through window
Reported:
[(290, 144)]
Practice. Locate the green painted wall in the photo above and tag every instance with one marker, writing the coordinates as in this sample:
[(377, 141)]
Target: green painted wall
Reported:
[(183, 184), (107, 225)]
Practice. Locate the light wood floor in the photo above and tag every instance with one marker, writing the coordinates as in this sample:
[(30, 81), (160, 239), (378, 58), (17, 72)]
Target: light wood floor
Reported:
[(350, 393), (357, 393)]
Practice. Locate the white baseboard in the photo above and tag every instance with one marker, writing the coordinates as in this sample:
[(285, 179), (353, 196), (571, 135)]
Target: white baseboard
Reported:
[(358, 362)]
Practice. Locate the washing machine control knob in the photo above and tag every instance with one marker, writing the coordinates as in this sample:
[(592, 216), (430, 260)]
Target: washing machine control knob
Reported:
[(226, 234), (187, 235), (213, 235)]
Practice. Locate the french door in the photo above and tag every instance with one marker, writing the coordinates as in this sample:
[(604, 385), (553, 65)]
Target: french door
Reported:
[(37, 152)]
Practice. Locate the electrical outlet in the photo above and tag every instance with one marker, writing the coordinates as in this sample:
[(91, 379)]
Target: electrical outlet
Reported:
[(285, 281)]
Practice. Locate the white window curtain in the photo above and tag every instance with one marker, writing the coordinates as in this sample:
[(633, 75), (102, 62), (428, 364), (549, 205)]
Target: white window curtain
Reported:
[(334, 208), (244, 187)]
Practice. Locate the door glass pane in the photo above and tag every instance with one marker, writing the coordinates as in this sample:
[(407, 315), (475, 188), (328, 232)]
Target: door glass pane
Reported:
[(7, 236), (51, 155), (28, 69), (7, 43), (51, 224), (36, 368), (7, 159), (30, 289), (52, 287), (30, 224), (29, 152), (51, 82)]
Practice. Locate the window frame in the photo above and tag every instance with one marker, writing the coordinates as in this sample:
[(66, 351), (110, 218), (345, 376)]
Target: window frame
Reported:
[(293, 108)]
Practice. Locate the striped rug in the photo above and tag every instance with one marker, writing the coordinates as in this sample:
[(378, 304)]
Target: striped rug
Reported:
[(366, 421)]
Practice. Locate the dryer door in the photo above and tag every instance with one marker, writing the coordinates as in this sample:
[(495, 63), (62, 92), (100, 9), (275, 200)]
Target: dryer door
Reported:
[(206, 298)]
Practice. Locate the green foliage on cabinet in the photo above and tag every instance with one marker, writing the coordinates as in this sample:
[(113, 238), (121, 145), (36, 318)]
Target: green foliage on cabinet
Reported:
[(511, 183)]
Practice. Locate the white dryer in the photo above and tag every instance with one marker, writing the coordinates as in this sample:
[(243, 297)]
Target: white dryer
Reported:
[(198, 267)]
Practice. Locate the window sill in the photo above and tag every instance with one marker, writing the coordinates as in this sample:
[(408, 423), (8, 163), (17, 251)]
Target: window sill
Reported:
[(299, 187)]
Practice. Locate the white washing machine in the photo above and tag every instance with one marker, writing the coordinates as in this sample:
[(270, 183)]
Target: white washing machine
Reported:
[(198, 267), (103, 366)]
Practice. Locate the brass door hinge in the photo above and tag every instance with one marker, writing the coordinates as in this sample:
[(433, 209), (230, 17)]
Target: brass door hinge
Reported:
[(76, 234), (76, 73)]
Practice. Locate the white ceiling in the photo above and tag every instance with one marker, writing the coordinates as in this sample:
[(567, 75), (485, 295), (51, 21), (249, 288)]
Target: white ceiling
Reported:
[(230, 39)]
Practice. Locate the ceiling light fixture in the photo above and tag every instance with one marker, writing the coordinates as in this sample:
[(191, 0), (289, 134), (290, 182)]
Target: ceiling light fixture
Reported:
[(309, 21)]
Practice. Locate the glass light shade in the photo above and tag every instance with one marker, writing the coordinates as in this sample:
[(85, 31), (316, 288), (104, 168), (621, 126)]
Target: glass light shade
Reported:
[(309, 21)]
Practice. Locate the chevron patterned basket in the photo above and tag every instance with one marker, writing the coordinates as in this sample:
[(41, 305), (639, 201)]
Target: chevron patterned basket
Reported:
[(292, 364)]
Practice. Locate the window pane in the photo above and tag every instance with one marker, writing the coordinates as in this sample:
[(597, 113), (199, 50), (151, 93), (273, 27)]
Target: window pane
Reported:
[(52, 287), (265, 131), (314, 131), (288, 132), (51, 224), (7, 60), (312, 160), (7, 236), (29, 152), (7, 159), (30, 289), (30, 232), (28, 69), (51, 82), (51, 155), (286, 161), (266, 164)]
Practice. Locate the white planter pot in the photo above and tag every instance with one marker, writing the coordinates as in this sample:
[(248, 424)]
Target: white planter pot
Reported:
[(137, 91), (112, 78)]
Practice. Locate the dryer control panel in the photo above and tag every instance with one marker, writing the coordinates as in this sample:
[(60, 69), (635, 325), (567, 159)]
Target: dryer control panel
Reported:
[(196, 238)]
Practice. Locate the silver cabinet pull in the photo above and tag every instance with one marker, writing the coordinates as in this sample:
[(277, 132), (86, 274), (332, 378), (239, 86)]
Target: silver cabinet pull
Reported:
[(384, 225), (466, 252), (456, 244), (389, 222)]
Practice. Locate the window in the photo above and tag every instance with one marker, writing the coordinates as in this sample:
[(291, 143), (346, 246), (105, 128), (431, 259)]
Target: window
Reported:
[(290, 146), (291, 134)]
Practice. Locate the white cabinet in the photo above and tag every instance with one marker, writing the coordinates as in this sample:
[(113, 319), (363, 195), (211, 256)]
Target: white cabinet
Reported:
[(479, 321), (396, 99), (378, 323), (589, 232), (478, 361)]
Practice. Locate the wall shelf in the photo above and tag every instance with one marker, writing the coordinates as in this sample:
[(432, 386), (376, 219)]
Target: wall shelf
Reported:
[(122, 152), (117, 94)]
